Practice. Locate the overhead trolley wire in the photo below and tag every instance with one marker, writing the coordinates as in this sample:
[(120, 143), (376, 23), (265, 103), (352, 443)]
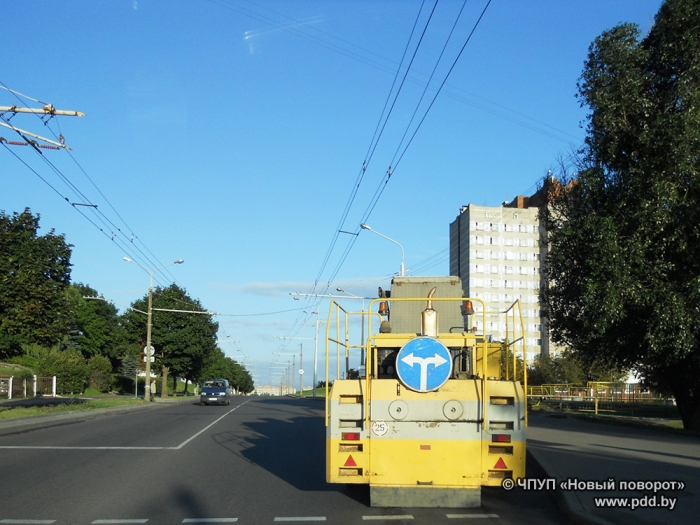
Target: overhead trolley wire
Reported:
[(85, 201), (384, 117), (368, 155), (131, 231), (427, 84), (117, 241), (385, 180), (295, 32), (377, 136), (382, 185)]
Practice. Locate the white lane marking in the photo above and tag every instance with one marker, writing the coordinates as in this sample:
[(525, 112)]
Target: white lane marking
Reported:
[(210, 520), (120, 521), (208, 426), (28, 522), (301, 518), (32, 447), (389, 517), (84, 448), (467, 516)]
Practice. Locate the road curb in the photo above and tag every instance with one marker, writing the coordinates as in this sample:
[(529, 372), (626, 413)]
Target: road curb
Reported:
[(21, 424), (568, 502)]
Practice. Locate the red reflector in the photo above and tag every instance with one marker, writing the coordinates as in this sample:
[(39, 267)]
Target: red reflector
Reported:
[(500, 463), (350, 462), (425, 447), (350, 436), (500, 438)]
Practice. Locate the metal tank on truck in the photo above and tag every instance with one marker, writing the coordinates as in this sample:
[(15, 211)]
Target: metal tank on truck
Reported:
[(439, 410)]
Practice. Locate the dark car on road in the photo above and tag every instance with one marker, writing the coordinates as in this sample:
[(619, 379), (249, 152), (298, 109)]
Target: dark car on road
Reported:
[(215, 391)]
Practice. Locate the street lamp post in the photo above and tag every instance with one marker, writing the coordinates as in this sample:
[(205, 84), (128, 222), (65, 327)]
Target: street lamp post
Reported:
[(149, 349), (403, 266)]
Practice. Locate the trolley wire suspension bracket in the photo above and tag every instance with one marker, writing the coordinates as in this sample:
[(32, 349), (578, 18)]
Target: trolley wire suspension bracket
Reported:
[(45, 113), (23, 134), (34, 143), (48, 109)]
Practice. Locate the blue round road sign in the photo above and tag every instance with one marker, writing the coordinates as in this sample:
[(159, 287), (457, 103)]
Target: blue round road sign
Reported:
[(424, 364)]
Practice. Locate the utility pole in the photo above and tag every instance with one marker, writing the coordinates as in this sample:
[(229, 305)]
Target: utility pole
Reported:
[(301, 370), (301, 366), (296, 296)]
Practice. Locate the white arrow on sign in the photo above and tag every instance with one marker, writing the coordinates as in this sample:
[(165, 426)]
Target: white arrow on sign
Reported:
[(436, 360)]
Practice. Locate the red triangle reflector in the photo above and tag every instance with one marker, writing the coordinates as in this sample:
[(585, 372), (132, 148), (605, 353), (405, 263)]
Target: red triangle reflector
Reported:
[(500, 463), (351, 462)]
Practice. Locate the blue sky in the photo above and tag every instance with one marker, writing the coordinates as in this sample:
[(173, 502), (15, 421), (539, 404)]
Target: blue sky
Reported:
[(231, 133)]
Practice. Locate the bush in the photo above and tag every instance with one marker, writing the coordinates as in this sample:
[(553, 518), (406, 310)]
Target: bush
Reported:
[(68, 366), (100, 373)]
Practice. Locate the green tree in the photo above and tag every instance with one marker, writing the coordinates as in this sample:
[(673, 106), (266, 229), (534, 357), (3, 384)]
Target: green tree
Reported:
[(215, 365), (624, 246), (34, 275), (96, 325), (218, 365), (181, 340)]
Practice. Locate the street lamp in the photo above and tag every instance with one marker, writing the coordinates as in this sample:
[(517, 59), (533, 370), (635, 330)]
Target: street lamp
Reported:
[(403, 267), (149, 349)]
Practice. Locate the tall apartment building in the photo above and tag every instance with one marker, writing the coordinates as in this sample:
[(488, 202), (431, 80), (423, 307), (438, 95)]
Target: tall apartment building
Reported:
[(496, 252)]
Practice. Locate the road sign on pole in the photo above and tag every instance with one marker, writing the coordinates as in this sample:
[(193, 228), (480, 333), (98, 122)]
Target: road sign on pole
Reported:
[(150, 359), (149, 350), (424, 364)]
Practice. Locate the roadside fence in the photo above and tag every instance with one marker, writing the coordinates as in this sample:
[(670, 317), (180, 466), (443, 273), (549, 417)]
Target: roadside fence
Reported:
[(14, 387)]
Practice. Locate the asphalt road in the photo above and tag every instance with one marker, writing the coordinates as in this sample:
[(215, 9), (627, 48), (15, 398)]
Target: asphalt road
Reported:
[(259, 461)]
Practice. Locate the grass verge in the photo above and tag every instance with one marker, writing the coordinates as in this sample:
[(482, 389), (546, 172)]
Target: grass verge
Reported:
[(64, 406)]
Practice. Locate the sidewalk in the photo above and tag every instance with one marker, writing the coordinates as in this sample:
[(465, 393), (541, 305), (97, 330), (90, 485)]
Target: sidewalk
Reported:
[(584, 450)]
